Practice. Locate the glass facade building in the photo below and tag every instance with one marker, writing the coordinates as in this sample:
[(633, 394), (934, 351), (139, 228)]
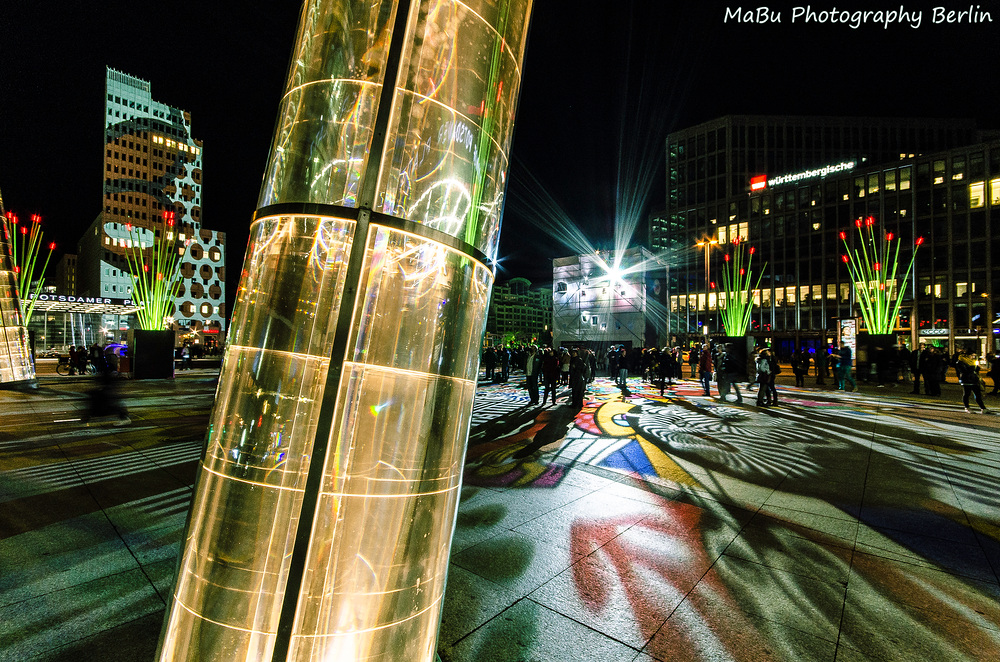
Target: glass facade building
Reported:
[(152, 185), (789, 186)]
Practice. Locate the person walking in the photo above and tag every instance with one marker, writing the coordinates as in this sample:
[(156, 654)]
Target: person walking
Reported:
[(800, 366), (564, 362), (763, 369), (622, 366), (930, 368), (993, 362), (845, 363), (705, 368), (489, 363), (577, 379), (822, 360), (775, 370), (550, 375), (915, 367), (968, 376), (532, 369), (729, 372), (504, 364)]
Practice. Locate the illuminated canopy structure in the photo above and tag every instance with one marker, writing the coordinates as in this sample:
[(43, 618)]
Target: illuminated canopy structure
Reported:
[(326, 499), (738, 288), (15, 357), (874, 267)]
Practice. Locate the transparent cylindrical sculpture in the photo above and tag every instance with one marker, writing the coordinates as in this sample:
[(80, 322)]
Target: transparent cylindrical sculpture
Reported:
[(326, 500)]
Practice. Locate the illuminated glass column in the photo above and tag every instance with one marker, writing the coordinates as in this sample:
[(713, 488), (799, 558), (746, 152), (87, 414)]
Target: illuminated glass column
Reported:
[(326, 499)]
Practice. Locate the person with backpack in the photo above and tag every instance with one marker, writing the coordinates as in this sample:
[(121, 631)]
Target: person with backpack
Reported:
[(968, 376)]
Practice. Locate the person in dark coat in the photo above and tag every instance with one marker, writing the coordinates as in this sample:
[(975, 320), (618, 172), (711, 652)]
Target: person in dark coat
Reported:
[(489, 362), (916, 367), (822, 359), (968, 376), (994, 373), (930, 368), (550, 374), (800, 366), (577, 379), (705, 368)]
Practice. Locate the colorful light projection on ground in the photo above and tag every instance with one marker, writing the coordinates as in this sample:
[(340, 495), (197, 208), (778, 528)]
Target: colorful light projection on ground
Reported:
[(694, 567), (326, 501)]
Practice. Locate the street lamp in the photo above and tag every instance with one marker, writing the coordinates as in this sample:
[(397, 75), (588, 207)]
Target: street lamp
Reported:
[(707, 243)]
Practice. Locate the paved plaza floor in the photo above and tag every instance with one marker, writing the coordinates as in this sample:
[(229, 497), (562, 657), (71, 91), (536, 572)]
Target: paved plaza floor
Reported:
[(674, 527)]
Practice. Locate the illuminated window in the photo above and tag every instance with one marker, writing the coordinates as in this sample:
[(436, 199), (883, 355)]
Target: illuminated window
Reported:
[(873, 183), (958, 169), (890, 180), (904, 179), (995, 192), (939, 172), (977, 195)]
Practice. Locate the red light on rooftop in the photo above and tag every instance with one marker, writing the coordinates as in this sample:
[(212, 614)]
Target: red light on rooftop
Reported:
[(52, 246), (858, 223), (843, 236), (920, 241), (889, 236)]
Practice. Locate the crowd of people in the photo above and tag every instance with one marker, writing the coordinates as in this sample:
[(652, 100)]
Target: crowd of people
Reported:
[(575, 367)]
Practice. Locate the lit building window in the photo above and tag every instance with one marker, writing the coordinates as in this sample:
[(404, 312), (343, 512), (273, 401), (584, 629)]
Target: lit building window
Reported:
[(977, 195), (995, 192)]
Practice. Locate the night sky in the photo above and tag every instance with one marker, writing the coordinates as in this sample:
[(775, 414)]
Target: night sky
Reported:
[(604, 82)]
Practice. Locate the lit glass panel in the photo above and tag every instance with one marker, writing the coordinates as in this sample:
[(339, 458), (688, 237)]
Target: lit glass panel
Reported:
[(397, 450), (260, 439), (327, 115), (452, 118)]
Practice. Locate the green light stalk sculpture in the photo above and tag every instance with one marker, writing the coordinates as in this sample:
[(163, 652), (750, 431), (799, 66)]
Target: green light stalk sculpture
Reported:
[(873, 268), (738, 287), (25, 242), (154, 270)]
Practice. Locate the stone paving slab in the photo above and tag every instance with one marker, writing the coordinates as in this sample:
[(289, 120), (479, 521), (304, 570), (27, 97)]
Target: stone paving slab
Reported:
[(860, 526)]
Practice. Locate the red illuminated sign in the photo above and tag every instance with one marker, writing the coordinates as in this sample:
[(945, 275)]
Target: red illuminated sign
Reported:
[(758, 183)]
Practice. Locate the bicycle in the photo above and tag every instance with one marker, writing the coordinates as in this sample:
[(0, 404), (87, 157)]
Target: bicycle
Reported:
[(64, 368)]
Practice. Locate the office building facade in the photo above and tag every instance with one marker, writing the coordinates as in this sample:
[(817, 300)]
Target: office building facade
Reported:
[(517, 310), (790, 185), (151, 187)]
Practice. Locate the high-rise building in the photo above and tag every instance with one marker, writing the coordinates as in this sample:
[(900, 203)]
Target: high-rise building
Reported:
[(522, 311), (151, 185), (789, 185)]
